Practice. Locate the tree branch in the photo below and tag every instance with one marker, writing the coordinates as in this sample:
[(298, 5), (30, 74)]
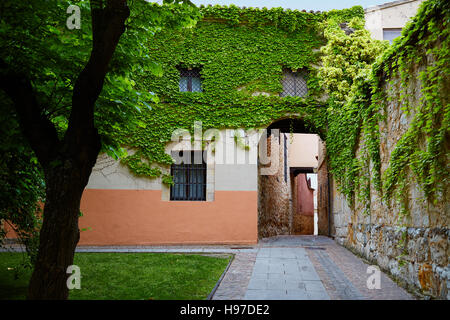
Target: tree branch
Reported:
[(108, 24), (37, 128)]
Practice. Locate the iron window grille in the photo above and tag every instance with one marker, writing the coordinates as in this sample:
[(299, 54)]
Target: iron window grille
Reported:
[(189, 180), (294, 84), (190, 80)]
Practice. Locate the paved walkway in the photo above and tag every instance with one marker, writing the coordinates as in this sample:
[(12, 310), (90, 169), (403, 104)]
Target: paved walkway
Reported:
[(284, 274), (304, 268)]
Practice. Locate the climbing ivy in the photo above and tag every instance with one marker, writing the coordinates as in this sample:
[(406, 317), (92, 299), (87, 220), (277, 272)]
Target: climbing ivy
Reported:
[(345, 75), (423, 149), (358, 100), (241, 54)]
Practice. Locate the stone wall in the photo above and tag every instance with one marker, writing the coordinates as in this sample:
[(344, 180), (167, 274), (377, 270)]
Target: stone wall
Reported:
[(323, 193), (415, 250), (274, 194), (302, 225)]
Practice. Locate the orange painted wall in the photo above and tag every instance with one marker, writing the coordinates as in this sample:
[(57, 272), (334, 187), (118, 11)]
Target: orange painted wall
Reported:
[(10, 233), (139, 217)]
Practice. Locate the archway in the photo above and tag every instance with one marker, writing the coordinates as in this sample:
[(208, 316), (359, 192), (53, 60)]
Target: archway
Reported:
[(290, 156)]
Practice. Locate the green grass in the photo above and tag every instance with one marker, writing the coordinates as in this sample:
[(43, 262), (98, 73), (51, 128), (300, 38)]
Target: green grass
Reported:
[(123, 276)]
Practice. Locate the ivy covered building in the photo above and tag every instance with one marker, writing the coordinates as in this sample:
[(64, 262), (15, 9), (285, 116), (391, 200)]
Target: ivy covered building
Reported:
[(236, 72), (383, 177)]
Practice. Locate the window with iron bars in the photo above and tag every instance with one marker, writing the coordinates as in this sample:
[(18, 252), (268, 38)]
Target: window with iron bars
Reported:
[(190, 80), (189, 178), (294, 84)]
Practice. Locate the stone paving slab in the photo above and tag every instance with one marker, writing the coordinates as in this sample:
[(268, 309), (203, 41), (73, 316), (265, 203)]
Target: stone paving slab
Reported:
[(284, 274)]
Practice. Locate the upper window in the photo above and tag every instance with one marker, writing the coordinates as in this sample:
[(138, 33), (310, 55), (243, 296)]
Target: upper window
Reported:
[(294, 84), (189, 178), (391, 34), (190, 80)]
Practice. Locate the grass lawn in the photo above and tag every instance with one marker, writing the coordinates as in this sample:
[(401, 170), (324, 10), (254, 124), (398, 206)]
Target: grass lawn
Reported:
[(135, 276)]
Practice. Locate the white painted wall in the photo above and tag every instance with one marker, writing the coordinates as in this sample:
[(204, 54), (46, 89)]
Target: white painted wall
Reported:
[(230, 166), (391, 15), (111, 174)]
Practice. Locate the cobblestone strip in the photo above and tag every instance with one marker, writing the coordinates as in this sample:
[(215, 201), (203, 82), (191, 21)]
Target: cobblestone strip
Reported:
[(355, 270), (234, 283), (336, 282)]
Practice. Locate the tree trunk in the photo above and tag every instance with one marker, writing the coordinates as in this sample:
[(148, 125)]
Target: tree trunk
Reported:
[(60, 234), (67, 163)]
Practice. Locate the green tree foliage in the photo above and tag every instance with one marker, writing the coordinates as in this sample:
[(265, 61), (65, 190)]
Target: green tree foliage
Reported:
[(36, 41), (21, 185), (347, 58), (67, 90)]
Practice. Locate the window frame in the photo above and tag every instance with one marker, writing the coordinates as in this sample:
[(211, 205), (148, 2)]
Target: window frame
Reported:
[(298, 75), (391, 31), (185, 187), (189, 74)]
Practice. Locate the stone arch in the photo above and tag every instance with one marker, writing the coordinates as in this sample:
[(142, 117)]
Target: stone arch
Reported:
[(278, 196)]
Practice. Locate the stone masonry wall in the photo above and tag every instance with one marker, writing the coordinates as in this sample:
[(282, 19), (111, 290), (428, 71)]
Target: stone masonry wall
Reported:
[(274, 198), (414, 251), (322, 193)]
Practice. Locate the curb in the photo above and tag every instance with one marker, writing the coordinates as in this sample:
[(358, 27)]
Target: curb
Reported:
[(213, 291)]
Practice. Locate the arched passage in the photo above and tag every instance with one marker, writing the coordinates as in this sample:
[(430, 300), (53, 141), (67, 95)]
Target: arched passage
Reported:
[(288, 202)]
